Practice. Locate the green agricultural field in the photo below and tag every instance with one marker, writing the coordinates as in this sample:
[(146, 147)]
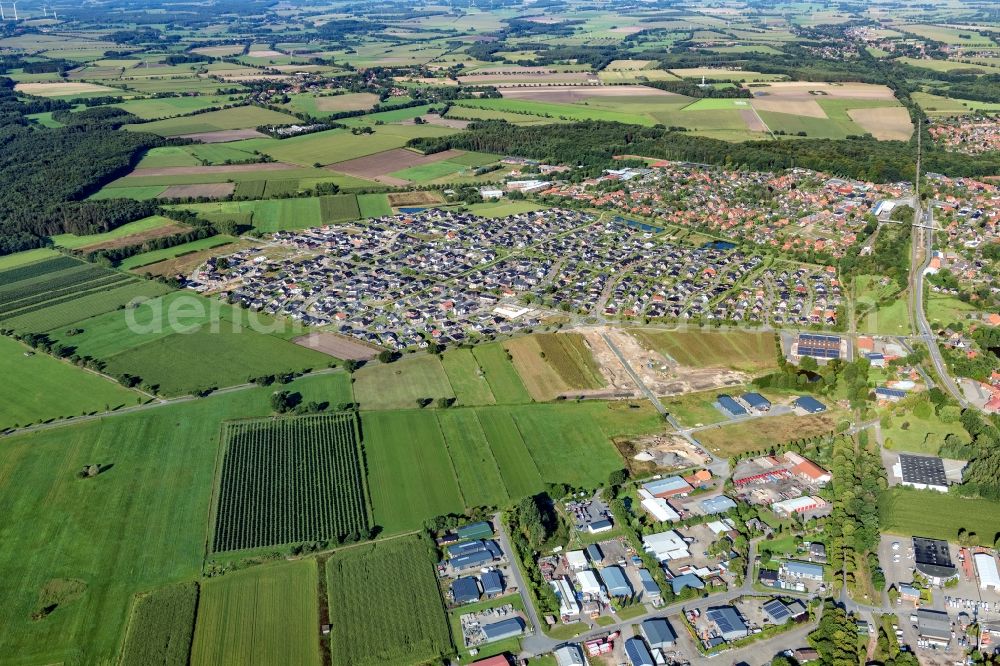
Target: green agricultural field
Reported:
[(168, 107), (280, 187), (265, 615), (242, 117), (470, 113), (147, 258), (399, 385), (373, 205), (399, 623), (183, 363), (37, 388), (161, 627), (947, 310), (466, 378), (338, 208), (937, 106), (153, 222), (473, 159), (391, 116), (749, 352), (710, 104), (339, 145), (410, 475), (503, 379), (554, 110), (77, 307), (517, 468), (504, 208), (694, 409), (893, 319), (140, 192), (910, 512), (476, 467), (816, 128), (428, 172), (27, 257), (137, 526)]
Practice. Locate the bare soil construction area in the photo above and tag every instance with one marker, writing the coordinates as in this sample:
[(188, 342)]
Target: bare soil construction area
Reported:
[(207, 190), (661, 375), (377, 167), (570, 94), (337, 346), (212, 169), (397, 199), (665, 451), (223, 136)]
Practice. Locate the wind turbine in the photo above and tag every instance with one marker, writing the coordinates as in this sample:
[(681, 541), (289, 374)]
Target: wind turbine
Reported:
[(2, 17), (15, 10)]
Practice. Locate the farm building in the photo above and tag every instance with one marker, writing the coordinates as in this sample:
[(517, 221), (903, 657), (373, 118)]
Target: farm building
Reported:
[(728, 622), (718, 504), (823, 348), (594, 554), (480, 530), (986, 568), (776, 611), (465, 590), (658, 633), (933, 559), (568, 605), (576, 560), (650, 590), (615, 582), (934, 626), (666, 546), (498, 631), (806, 469), (680, 583), (756, 401), (473, 554), (802, 570), (492, 583), (569, 655), (637, 653), (667, 487), (805, 504), (730, 406), (922, 472), (588, 582), (598, 526), (809, 404)]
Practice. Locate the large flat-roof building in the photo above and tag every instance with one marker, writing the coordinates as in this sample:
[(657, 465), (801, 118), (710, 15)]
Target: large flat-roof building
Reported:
[(568, 605), (667, 487), (934, 626), (637, 653), (806, 504), (665, 546), (615, 582), (800, 569), (922, 472), (730, 406), (658, 633), (809, 404), (569, 655), (932, 558), (498, 631), (986, 569), (823, 348), (716, 505)]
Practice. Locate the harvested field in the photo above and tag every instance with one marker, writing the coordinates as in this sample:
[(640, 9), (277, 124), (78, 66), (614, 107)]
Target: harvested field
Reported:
[(61, 89), (348, 102), (783, 104), (376, 167), (527, 78), (889, 123), (337, 346), (628, 65), (266, 53), (571, 94), (753, 121), (210, 169), (804, 90), (207, 190), (223, 136), (398, 199)]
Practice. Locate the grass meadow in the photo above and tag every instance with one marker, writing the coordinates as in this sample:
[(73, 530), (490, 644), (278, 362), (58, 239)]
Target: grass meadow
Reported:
[(161, 627), (927, 513), (749, 352), (503, 379)]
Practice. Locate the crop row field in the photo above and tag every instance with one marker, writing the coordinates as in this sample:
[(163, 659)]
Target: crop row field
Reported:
[(748, 352), (290, 480), (161, 627), (385, 606), (554, 364), (265, 615)]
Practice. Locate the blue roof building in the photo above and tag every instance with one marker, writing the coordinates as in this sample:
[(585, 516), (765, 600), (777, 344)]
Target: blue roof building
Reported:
[(492, 583), (679, 583), (822, 347), (729, 404), (458, 549), (615, 582), (756, 401), (594, 554), (637, 653), (810, 404), (480, 530), (498, 631), (728, 621), (473, 554), (649, 587), (776, 611), (800, 569), (718, 504), (891, 394), (465, 590)]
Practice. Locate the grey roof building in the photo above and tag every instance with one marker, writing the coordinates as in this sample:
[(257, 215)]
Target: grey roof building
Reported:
[(776, 611), (934, 625), (729, 404), (498, 631), (658, 633), (756, 401), (718, 504), (649, 587), (615, 582), (492, 583), (922, 472), (569, 655), (932, 558)]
